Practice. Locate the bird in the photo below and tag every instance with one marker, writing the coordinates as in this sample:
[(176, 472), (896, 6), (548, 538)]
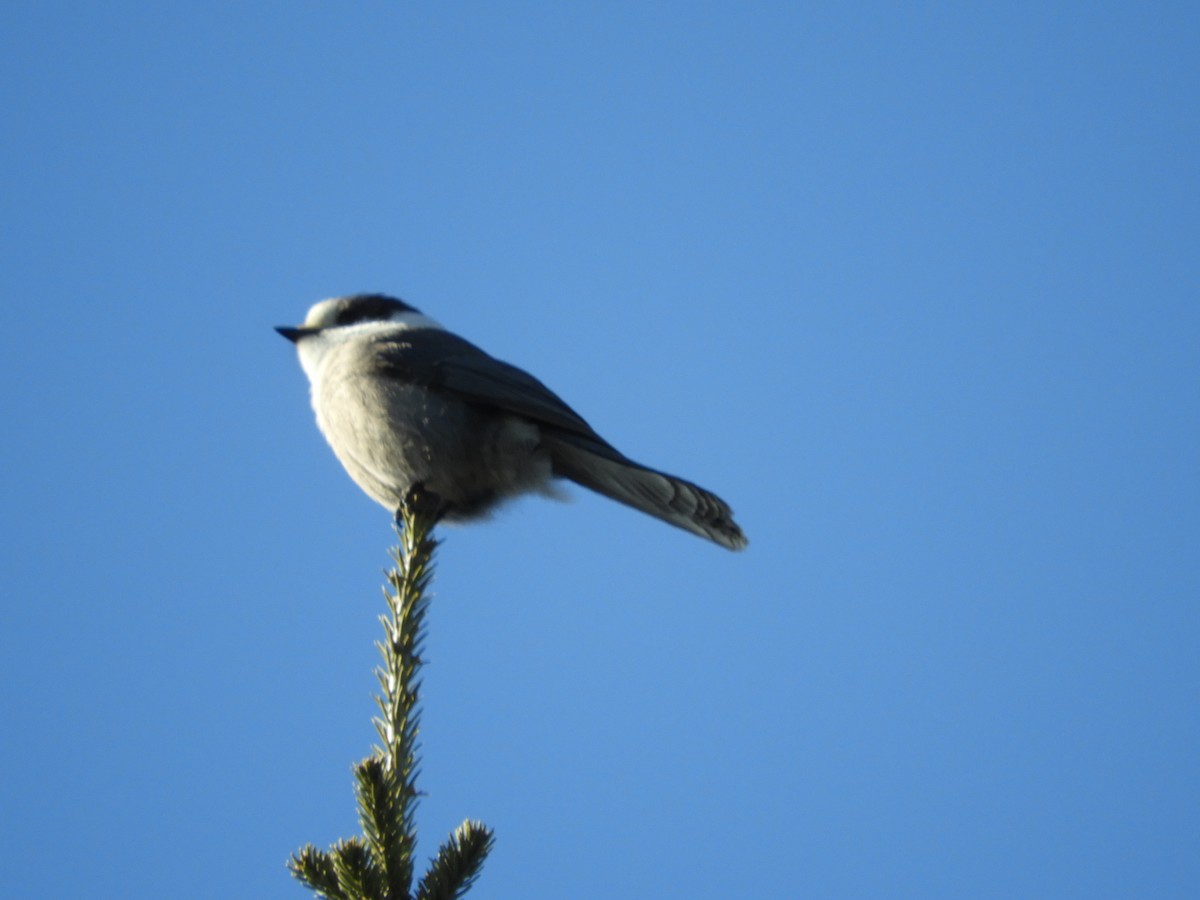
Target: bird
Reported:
[(407, 405)]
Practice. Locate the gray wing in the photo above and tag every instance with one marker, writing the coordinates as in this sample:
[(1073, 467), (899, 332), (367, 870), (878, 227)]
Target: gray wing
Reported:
[(443, 361)]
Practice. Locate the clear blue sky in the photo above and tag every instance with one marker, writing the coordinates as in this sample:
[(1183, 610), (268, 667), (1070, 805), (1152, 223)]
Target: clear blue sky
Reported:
[(914, 286)]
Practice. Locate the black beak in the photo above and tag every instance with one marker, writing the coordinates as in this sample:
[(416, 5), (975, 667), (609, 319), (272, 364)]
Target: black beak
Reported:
[(293, 334)]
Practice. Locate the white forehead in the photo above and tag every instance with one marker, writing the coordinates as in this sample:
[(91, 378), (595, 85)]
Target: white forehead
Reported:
[(322, 314)]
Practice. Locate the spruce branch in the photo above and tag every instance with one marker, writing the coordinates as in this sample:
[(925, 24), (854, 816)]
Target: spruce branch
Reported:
[(387, 825), (457, 864), (316, 869), (356, 871), (379, 865)]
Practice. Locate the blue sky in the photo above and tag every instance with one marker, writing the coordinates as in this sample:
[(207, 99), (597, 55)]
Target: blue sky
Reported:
[(913, 286)]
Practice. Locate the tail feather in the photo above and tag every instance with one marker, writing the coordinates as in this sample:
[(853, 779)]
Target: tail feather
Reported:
[(675, 501)]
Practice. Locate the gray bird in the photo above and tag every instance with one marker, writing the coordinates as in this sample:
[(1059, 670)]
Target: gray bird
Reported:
[(407, 405)]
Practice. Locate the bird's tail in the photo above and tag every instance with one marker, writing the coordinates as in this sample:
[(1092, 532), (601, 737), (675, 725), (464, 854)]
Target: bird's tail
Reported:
[(675, 501)]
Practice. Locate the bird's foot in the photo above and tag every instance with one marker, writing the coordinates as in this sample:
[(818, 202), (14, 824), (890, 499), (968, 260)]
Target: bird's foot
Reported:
[(422, 502)]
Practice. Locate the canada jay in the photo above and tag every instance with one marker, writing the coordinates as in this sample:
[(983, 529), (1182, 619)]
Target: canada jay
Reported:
[(408, 405)]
